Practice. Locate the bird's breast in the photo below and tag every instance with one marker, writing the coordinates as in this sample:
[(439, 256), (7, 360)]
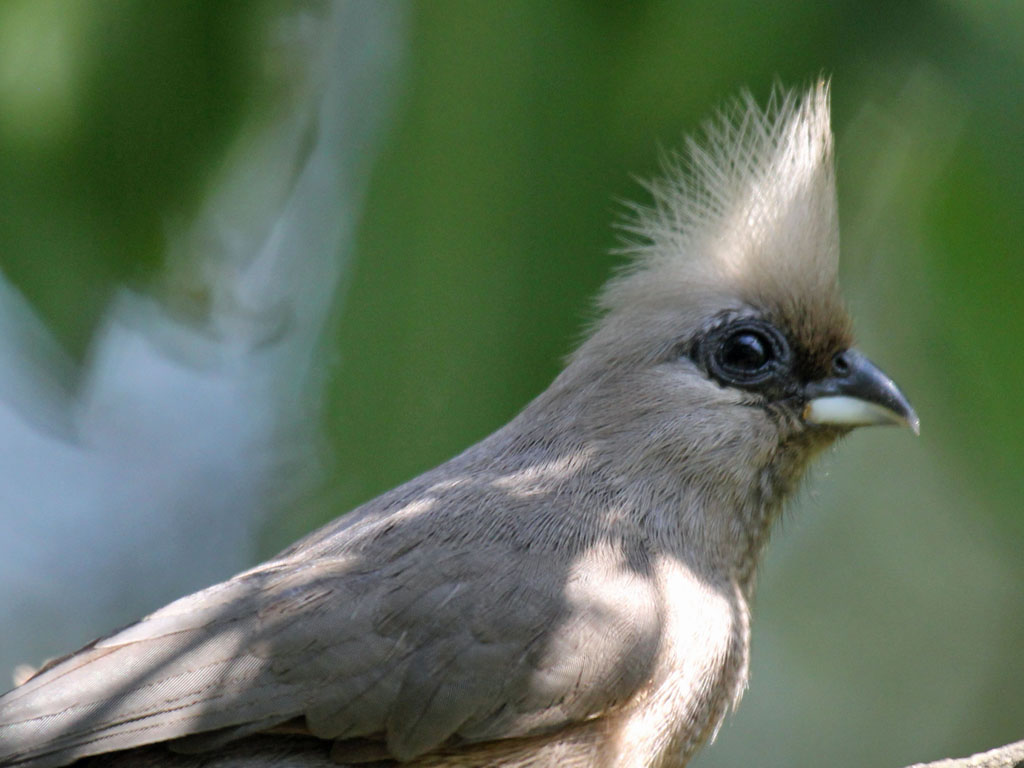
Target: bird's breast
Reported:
[(701, 670)]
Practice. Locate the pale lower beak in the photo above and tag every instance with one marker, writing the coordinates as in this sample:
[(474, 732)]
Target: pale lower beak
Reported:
[(857, 394)]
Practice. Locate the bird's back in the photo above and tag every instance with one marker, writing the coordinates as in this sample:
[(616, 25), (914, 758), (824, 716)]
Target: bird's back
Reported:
[(423, 620)]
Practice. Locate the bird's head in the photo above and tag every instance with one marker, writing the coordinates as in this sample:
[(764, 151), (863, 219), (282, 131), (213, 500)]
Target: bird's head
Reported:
[(723, 353)]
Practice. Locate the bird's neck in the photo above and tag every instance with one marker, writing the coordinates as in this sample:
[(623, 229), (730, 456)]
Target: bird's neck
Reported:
[(719, 531), (716, 522)]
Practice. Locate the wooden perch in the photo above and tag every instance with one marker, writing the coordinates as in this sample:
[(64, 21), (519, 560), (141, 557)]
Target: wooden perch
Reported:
[(1010, 756)]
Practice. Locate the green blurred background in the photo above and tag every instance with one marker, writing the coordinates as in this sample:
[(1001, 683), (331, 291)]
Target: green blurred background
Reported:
[(890, 617)]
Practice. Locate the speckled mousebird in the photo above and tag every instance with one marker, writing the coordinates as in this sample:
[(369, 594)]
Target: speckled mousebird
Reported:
[(575, 589)]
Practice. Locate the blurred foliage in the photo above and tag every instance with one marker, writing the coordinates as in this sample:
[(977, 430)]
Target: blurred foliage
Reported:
[(488, 229), (111, 115)]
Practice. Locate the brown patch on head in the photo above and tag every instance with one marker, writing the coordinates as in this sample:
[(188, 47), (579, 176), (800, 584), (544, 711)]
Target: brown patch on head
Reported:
[(816, 334)]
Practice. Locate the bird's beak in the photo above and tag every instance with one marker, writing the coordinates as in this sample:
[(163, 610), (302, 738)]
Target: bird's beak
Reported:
[(857, 394)]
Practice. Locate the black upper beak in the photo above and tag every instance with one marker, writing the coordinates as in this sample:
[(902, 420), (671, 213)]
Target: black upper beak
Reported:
[(856, 393)]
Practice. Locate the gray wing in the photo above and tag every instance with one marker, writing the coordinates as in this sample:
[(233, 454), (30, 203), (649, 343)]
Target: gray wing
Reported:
[(436, 644)]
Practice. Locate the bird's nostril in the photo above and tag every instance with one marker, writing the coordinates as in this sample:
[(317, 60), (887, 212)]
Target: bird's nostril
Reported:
[(841, 364)]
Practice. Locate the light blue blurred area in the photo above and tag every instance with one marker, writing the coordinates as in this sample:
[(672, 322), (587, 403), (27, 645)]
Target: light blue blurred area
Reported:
[(146, 469), (491, 146)]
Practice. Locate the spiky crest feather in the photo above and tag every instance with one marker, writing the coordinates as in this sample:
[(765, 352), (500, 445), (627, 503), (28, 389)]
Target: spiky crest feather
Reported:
[(746, 218)]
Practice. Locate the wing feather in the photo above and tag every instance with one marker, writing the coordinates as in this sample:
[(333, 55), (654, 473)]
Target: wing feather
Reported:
[(428, 646)]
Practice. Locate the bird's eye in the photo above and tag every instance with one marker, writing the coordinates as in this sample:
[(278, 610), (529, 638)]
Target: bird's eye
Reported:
[(748, 353), (745, 352)]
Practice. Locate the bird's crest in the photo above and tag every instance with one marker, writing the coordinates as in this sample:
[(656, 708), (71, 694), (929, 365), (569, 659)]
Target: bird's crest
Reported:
[(745, 216)]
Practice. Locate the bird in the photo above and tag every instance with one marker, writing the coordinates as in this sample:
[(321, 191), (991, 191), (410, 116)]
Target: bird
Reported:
[(573, 590)]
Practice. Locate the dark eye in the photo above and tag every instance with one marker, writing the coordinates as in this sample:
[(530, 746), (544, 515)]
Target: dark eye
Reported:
[(748, 353), (745, 352)]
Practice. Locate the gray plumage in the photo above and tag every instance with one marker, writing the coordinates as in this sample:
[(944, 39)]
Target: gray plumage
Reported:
[(573, 590)]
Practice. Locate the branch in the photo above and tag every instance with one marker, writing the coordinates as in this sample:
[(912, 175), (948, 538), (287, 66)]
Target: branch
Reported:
[(1010, 756)]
